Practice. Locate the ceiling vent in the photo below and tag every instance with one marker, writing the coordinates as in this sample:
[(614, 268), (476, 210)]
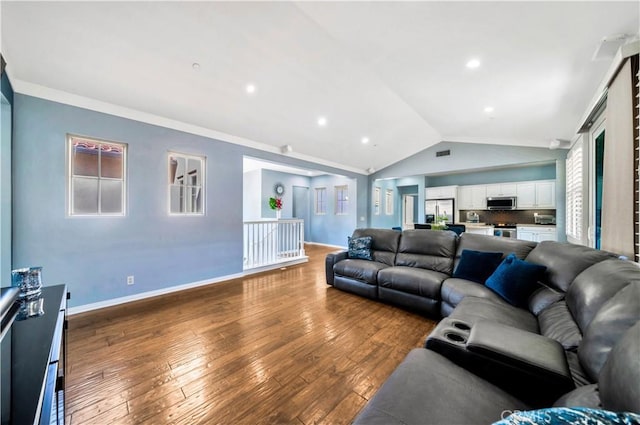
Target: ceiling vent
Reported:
[(444, 153)]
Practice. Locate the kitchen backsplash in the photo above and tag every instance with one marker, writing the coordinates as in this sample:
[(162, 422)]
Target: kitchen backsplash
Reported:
[(508, 216)]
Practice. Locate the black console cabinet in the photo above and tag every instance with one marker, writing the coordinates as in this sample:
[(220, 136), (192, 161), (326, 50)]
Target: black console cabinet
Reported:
[(33, 364)]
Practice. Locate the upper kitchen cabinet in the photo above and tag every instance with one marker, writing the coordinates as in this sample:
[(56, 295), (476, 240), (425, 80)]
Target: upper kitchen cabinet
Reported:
[(472, 197), (501, 189), (442, 192), (536, 195)]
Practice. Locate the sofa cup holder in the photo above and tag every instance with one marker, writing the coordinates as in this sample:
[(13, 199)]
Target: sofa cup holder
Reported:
[(455, 337), (461, 326)]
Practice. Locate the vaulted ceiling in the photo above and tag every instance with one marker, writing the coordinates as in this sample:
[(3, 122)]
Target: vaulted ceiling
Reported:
[(392, 72)]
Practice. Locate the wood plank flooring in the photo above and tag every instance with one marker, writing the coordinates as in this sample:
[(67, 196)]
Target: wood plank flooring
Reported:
[(280, 347)]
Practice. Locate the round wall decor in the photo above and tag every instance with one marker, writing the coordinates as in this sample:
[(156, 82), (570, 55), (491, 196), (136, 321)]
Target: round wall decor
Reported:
[(279, 189)]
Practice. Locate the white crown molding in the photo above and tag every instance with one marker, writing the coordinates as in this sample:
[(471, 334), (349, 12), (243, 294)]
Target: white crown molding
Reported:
[(54, 95)]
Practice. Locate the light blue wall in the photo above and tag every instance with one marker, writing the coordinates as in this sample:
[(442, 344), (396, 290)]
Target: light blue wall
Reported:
[(467, 157), (269, 180), (330, 228), (6, 123), (405, 185), (5, 191), (93, 256), (384, 220), (514, 174)]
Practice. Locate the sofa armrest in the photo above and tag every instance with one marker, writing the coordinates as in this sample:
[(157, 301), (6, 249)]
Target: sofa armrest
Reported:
[(330, 261), (530, 355)]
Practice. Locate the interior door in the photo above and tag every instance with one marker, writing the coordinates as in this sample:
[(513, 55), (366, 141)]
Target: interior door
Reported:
[(408, 208), (301, 207)]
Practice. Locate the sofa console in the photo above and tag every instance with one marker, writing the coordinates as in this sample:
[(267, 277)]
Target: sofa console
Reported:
[(532, 366)]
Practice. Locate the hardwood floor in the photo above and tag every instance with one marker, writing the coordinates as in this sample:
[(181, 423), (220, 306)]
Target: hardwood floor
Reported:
[(280, 347)]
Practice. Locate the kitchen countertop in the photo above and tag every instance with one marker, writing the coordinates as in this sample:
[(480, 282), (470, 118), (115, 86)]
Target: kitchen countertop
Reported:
[(476, 224), (483, 225)]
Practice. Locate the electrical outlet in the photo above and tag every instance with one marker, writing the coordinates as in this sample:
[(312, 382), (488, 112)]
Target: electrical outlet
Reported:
[(130, 280)]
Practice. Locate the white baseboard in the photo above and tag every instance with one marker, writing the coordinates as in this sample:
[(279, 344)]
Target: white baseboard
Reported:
[(326, 244), (149, 294)]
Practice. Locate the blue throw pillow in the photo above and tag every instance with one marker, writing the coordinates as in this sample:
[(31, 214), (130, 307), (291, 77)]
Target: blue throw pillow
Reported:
[(360, 248), (570, 416), (477, 265), (515, 280)]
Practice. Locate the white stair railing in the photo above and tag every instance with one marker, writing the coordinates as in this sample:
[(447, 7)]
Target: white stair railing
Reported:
[(268, 242)]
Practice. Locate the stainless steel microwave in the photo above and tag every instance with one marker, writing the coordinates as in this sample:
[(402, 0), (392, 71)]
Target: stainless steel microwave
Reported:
[(501, 203)]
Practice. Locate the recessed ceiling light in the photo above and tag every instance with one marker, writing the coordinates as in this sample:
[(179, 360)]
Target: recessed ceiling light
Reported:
[(488, 109), (195, 66), (251, 88), (473, 63), (322, 121), (365, 140)]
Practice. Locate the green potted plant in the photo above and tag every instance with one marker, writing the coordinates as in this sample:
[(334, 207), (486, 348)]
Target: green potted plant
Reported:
[(440, 223), (276, 204)]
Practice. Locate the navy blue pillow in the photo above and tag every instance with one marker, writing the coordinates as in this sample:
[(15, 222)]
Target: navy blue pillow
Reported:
[(477, 265), (360, 248), (515, 280), (569, 416)]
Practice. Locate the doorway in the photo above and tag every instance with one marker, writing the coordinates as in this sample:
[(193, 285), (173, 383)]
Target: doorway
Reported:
[(300, 207), (409, 210)]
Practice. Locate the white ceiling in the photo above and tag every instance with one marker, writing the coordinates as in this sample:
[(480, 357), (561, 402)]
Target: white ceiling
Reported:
[(392, 71)]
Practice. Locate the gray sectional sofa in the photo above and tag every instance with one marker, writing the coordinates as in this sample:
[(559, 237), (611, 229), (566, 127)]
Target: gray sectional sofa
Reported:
[(575, 343)]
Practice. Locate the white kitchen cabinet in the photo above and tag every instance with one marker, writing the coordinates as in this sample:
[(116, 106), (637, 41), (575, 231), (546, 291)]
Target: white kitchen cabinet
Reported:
[(501, 189), (442, 192), (546, 194), (472, 197), (537, 233), (536, 195)]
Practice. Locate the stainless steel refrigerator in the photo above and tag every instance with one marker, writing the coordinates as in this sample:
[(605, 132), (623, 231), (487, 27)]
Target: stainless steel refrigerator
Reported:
[(434, 208)]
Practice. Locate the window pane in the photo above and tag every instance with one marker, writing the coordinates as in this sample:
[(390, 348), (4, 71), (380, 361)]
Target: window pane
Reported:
[(85, 196), (111, 196), (194, 199), (176, 169), (176, 202), (194, 171), (85, 158), (111, 161)]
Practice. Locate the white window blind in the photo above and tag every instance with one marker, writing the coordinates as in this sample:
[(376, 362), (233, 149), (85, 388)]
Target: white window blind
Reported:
[(376, 201), (321, 200), (389, 202), (574, 192), (342, 200)]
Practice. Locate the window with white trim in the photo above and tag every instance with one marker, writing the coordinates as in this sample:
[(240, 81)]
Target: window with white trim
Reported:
[(342, 200), (389, 202), (376, 200), (574, 191), (186, 184), (96, 176), (321, 201)]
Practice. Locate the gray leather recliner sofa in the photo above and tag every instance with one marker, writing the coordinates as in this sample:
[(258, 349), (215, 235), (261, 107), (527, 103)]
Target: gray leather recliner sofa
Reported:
[(577, 343)]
